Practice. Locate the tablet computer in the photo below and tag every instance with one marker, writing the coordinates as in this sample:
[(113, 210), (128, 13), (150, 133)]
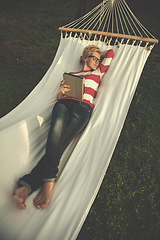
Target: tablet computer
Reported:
[(76, 84)]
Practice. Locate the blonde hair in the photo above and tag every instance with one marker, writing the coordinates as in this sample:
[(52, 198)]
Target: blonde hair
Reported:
[(88, 51)]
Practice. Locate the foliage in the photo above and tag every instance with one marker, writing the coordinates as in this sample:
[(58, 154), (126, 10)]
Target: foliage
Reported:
[(127, 206)]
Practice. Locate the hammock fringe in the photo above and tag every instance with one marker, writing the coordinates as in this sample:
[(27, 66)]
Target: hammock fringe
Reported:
[(109, 34)]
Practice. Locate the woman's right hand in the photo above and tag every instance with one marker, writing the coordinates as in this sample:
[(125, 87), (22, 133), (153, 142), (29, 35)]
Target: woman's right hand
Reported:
[(64, 88)]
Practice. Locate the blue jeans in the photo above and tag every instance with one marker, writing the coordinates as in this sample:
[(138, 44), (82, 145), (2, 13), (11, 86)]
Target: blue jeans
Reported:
[(69, 118)]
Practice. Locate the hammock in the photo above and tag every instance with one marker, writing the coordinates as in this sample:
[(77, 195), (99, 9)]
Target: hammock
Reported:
[(84, 163)]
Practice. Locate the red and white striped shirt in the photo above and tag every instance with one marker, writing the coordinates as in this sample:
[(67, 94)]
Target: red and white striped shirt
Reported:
[(93, 79)]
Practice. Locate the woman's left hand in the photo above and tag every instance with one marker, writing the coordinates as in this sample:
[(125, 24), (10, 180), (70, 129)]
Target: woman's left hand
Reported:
[(64, 88)]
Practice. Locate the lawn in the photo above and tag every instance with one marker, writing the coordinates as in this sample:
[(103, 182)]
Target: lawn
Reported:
[(127, 205)]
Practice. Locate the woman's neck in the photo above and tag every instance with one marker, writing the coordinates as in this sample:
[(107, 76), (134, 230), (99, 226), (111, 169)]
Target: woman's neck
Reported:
[(86, 68)]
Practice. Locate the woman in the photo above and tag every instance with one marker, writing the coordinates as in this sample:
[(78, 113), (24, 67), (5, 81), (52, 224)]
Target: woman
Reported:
[(69, 117)]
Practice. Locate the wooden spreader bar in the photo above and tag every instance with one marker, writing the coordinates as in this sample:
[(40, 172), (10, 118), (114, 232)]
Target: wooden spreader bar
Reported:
[(109, 34)]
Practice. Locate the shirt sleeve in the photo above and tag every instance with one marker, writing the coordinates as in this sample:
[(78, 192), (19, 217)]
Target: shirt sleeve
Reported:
[(106, 61)]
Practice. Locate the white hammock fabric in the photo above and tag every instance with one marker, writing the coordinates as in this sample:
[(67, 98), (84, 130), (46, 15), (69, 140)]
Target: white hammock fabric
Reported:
[(83, 166)]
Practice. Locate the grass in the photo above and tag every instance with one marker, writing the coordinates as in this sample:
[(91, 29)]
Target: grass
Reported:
[(127, 206)]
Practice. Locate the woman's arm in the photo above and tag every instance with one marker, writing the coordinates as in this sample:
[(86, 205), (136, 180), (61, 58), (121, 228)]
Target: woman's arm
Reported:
[(107, 58)]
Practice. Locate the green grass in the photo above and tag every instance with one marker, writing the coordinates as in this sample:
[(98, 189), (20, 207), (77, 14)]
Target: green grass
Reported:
[(127, 206)]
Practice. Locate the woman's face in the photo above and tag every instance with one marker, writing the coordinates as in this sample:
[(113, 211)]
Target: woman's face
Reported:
[(92, 62)]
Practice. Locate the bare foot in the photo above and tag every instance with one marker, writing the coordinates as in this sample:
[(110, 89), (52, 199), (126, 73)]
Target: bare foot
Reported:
[(20, 197), (44, 196)]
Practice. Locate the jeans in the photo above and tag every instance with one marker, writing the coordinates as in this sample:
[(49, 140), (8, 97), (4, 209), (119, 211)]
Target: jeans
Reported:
[(69, 118)]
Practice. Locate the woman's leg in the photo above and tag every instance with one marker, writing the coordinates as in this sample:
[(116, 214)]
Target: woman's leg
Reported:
[(63, 130), (60, 118), (61, 136), (34, 180), (79, 118), (69, 118), (77, 121)]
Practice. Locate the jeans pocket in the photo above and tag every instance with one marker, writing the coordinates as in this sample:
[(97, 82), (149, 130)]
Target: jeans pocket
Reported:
[(86, 106)]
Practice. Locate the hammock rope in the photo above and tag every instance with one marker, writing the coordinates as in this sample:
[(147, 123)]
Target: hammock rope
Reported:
[(111, 19)]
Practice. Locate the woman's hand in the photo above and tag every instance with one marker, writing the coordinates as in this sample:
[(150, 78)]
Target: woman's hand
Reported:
[(64, 88)]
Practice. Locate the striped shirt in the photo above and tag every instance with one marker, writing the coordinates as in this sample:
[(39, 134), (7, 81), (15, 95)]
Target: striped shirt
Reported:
[(93, 79)]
